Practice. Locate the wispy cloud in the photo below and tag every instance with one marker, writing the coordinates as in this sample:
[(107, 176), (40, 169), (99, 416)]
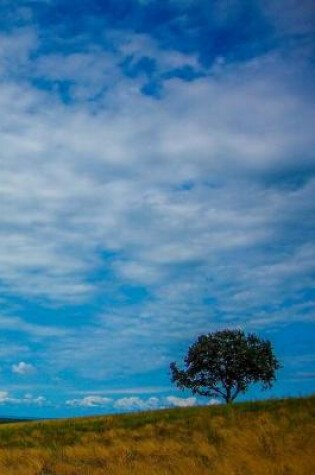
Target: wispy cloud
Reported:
[(17, 324)]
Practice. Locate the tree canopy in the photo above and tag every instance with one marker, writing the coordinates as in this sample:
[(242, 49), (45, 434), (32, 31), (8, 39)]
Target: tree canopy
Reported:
[(225, 363)]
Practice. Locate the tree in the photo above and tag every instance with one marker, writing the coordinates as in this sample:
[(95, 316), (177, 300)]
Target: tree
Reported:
[(224, 363)]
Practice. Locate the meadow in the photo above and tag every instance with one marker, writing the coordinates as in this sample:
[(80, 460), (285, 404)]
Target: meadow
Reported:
[(275, 437)]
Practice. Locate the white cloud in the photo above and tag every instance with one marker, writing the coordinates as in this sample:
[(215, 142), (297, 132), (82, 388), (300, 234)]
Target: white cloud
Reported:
[(181, 402), (34, 400), (213, 402), (89, 401), (4, 396), (23, 368), (27, 399), (124, 404), (135, 403)]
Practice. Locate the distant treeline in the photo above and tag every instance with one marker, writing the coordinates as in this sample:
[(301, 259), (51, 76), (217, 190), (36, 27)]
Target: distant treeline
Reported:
[(6, 420)]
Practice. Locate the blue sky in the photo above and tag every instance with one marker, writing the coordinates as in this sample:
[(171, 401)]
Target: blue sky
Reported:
[(156, 182)]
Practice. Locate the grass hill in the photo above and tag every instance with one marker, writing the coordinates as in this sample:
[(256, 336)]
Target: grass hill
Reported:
[(274, 437)]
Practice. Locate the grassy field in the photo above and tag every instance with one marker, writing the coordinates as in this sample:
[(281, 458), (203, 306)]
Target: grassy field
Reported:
[(262, 438)]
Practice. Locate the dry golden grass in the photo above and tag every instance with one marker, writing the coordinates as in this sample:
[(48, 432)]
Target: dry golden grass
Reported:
[(266, 438)]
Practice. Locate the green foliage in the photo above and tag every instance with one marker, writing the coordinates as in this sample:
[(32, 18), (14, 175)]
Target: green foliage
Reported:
[(224, 364)]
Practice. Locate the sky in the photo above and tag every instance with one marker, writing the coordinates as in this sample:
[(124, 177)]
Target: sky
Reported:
[(156, 183)]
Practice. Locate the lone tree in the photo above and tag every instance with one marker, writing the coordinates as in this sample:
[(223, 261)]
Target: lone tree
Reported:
[(224, 363)]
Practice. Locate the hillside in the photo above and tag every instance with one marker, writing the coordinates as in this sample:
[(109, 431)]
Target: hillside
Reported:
[(268, 437)]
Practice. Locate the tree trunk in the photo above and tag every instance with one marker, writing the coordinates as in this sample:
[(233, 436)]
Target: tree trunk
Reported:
[(228, 397)]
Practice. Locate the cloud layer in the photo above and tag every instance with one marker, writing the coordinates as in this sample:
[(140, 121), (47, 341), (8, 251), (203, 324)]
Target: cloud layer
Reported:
[(132, 403)]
